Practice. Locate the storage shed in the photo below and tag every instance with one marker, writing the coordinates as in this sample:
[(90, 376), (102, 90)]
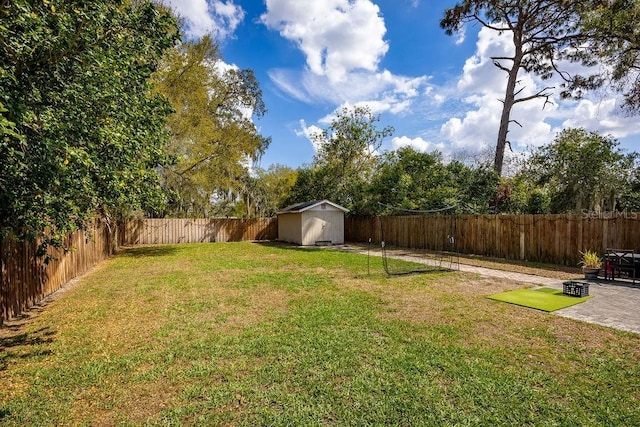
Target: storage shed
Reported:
[(312, 223)]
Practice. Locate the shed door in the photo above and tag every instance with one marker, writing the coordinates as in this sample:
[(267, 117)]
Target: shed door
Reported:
[(317, 229), (325, 227)]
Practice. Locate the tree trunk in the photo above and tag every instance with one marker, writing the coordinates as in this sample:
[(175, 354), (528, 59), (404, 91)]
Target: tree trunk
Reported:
[(505, 118), (509, 100)]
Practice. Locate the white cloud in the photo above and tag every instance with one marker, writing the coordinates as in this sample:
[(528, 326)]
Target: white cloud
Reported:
[(417, 144), (395, 92), (481, 86), (308, 132), (461, 36), (221, 67), (208, 16), (287, 82), (479, 74), (342, 69), (336, 36), (604, 116), (473, 132), (343, 42)]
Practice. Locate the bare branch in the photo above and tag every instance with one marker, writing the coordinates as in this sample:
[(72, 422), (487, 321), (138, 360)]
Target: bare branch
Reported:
[(502, 67), (518, 91), (540, 94), (488, 25), (564, 75), (508, 58), (509, 144)]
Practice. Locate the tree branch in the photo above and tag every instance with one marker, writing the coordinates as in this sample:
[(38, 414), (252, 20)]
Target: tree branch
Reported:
[(488, 25), (500, 66), (518, 92), (539, 94), (199, 162)]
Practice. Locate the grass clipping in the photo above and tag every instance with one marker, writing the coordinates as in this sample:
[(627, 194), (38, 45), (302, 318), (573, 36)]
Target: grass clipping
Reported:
[(545, 299)]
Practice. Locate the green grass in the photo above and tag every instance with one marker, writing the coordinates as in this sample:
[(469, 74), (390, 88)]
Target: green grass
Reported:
[(266, 334)]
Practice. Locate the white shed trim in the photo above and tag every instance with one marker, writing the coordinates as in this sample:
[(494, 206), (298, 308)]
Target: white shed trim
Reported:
[(307, 206)]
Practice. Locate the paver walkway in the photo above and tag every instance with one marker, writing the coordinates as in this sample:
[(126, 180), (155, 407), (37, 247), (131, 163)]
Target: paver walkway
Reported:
[(614, 304)]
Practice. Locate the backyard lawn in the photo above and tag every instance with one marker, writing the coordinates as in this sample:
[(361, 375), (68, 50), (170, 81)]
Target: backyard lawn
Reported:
[(268, 334)]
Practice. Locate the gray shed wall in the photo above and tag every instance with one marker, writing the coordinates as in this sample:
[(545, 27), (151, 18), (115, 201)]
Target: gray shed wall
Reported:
[(290, 227)]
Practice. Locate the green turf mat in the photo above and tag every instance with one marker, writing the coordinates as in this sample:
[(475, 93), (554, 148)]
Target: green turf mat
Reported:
[(545, 299)]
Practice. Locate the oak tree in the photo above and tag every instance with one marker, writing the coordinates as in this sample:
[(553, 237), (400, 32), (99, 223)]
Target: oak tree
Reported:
[(213, 136)]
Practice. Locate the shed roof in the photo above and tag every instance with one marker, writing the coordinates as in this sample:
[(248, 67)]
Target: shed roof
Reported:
[(305, 206)]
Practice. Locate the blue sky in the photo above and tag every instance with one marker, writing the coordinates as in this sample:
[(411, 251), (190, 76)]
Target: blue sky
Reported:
[(439, 92)]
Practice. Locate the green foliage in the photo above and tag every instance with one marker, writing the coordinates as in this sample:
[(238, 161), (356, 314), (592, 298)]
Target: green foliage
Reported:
[(258, 195), (582, 170), (274, 186), (477, 187), (408, 179), (518, 195), (615, 41), (345, 160), (346, 154), (212, 135), (578, 171), (308, 186), (630, 199), (80, 132), (348, 170), (538, 202)]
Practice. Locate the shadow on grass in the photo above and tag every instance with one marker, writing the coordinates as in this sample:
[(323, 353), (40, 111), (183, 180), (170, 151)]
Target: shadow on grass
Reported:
[(292, 246), (31, 341), (417, 272), (147, 251), (40, 336)]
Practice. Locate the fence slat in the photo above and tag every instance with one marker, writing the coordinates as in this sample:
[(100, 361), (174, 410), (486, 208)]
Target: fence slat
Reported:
[(556, 239), (26, 279), (170, 230)]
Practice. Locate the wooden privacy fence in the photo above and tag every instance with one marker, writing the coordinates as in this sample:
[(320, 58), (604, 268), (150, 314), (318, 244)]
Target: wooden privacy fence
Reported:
[(161, 231), (25, 279), (555, 239)]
